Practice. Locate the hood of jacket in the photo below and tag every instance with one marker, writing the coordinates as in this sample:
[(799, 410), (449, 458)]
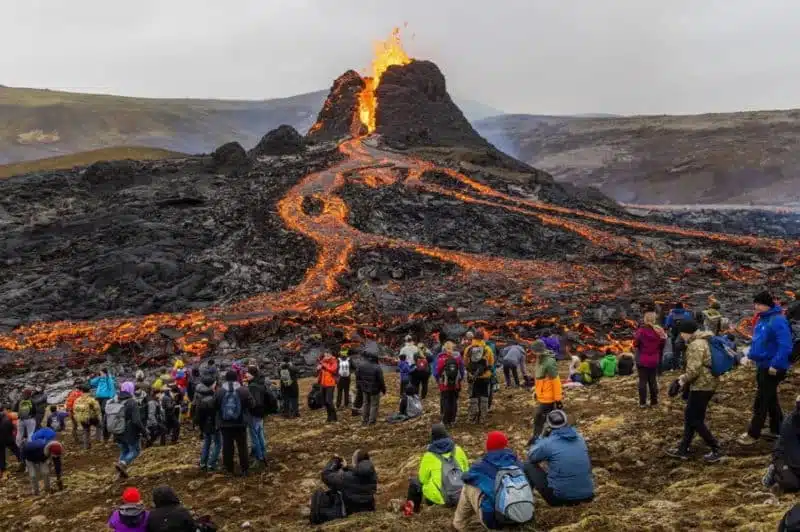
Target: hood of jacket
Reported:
[(226, 385), (364, 469), (131, 510), (610, 357), (442, 446), (165, 496), (701, 335), (565, 433), (124, 396), (501, 458), (771, 312), (546, 365)]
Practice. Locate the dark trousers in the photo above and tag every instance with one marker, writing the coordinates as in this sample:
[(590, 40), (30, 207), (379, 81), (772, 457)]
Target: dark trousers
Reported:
[(327, 396), (678, 349), (540, 418), (449, 400), (102, 403), (235, 436), (343, 392), (12, 446), (694, 420), (414, 494), (508, 371), (173, 430), (481, 388), (420, 383), (291, 406), (648, 378), (766, 403), (403, 385), (358, 402), (537, 477)]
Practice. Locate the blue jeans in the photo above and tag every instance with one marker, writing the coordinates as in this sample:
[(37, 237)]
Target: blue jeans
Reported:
[(212, 444), (128, 452), (258, 439)]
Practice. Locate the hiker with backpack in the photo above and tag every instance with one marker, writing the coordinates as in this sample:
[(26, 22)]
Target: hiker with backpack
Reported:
[(479, 360), (712, 319), (131, 515), (87, 414), (39, 400), (701, 383), (409, 348), (124, 423), (771, 350), (567, 480), (37, 455), (69, 405), (207, 421), (343, 384), (356, 483), (784, 471), (7, 440), (369, 379), (171, 410), (327, 371), (547, 385), (105, 388), (26, 412), (155, 427), (234, 404), (495, 489), (257, 387), (421, 371), (56, 420), (410, 407), (649, 341), (404, 367), (441, 467), (449, 373), (290, 389), (676, 316), (513, 358)]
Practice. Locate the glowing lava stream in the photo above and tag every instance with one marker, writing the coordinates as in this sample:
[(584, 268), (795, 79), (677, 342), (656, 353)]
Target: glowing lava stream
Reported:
[(336, 241)]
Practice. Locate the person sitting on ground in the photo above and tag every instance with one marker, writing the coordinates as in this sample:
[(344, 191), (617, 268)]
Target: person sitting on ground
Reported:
[(410, 406), (625, 364), (131, 515), (784, 472), (290, 389), (481, 487), (168, 515), (37, 455), (574, 369), (404, 367), (584, 374), (609, 364), (57, 419), (567, 480), (357, 483), (440, 470), (702, 384), (547, 385)]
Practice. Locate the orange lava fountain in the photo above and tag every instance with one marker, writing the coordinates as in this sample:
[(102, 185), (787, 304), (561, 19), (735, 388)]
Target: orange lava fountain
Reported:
[(387, 53)]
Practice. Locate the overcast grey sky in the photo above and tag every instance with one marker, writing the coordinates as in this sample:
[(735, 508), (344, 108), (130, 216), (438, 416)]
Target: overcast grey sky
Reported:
[(537, 56)]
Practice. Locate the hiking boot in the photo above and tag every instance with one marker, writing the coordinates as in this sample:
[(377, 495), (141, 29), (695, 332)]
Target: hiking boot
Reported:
[(203, 468), (746, 440), (770, 436), (713, 457), (122, 469), (677, 454), (60, 485), (644, 405)]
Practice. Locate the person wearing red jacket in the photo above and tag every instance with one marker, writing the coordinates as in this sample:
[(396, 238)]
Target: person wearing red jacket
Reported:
[(649, 343), (327, 374), (449, 374), (70, 407)]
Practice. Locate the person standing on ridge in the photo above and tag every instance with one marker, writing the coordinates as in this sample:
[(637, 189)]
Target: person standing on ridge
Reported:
[(770, 349), (327, 371), (649, 342), (673, 322), (105, 388), (479, 360), (547, 386), (343, 384), (449, 373), (369, 379), (234, 404)]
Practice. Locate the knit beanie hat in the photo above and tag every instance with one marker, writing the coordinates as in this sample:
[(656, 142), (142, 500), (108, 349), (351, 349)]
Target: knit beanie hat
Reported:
[(131, 496), (688, 327), (128, 387), (53, 448), (439, 432), (764, 298), (556, 419), (496, 441)]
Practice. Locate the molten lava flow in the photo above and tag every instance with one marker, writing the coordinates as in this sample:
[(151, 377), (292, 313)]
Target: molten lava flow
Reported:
[(387, 53)]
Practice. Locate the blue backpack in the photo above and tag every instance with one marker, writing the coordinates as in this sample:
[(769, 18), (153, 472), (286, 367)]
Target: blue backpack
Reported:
[(723, 355), (231, 404), (513, 497)]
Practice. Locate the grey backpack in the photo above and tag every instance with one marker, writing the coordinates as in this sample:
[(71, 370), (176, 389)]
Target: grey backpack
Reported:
[(414, 406), (513, 497), (115, 417), (452, 482)]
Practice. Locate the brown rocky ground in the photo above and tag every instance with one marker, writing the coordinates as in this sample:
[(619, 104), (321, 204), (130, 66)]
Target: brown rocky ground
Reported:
[(637, 487)]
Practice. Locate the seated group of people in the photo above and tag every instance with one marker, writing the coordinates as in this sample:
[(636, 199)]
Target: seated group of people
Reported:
[(585, 369), (498, 488)]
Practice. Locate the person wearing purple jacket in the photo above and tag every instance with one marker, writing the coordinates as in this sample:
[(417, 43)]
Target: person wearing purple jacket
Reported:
[(552, 342), (405, 373), (131, 515)]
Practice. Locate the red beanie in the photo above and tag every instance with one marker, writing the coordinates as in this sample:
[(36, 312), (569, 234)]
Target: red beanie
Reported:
[(53, 448), (496, 441), (131, 496)]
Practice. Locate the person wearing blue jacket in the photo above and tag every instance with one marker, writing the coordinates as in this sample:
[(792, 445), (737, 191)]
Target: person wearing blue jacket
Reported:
[(568, 478), (675, 317), (770, 350), (404, 366), (105, 388), (478, 493)]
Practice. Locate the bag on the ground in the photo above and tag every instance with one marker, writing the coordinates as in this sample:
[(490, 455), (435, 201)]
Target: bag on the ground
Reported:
[(791, 520), (723, 355), (231, 404), (413, 406), (595, 370), (450, 372), (452, 483), (315, 399), (513, 499), (25, 409), (286, 377), (421, 365), (115, 417), (326, 506), (344, 368)]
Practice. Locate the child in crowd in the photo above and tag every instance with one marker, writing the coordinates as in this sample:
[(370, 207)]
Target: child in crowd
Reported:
[(131, 515), (405, 373), (57, 418)]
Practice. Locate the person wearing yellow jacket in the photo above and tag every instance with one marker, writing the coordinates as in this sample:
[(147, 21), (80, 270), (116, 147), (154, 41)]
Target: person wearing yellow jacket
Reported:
[(547, 386), (479, 361), (430, 485)]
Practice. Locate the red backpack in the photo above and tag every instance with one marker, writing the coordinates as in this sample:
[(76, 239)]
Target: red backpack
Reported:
[(422, 364)]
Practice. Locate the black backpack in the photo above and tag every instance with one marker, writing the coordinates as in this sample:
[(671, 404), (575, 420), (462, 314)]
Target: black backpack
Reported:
[(326, 506), (259, 391), (315, 400), (595, 370), (168, 407), (450, 372)]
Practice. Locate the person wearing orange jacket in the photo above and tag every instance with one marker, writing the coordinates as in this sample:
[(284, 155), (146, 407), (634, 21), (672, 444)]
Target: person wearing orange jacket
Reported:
[(547, 386), (70, 407), (327, 371)]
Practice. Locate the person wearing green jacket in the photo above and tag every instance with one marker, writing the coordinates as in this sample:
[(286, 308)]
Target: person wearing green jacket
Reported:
[(609, 364), (428, 485)]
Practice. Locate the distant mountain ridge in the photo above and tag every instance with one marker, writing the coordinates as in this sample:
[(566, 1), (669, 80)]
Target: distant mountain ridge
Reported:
[(39, 123)]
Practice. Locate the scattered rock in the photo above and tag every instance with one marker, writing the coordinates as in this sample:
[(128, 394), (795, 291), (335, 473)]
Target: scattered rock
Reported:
[(285, 140)]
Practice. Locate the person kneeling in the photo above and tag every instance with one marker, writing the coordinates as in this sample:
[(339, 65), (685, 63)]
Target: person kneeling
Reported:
[(784, 472), (495, 489), (350, 489), (410, 406), (440, 471), (568, 478)]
